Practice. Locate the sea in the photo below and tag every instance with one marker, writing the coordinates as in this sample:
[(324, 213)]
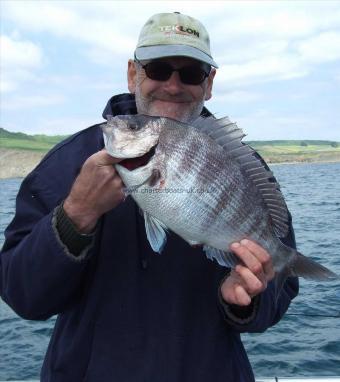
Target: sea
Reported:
[(305, 343)]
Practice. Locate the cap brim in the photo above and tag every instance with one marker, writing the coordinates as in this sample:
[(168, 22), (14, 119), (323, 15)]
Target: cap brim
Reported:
[(160, 51)]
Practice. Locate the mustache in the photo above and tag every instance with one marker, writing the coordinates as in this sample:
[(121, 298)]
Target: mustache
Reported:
[(163, 96)]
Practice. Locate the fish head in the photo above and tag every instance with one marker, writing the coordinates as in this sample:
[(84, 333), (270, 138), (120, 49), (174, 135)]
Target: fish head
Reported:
[(135, 139), (131, 136)]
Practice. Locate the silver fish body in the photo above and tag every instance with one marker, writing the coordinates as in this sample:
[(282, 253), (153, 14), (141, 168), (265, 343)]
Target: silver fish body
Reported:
[(207, 186)]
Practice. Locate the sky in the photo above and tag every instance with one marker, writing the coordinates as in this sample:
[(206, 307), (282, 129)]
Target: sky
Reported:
[(278, 76)]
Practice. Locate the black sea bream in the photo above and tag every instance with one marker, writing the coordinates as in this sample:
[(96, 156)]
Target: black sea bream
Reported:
[(203, 183)]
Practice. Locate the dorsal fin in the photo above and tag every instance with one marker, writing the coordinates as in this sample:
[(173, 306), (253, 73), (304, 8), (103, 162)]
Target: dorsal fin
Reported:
[(229, 136)]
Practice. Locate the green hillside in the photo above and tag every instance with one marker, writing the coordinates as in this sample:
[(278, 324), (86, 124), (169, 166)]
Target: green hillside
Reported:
[(23, 141), (297, 151), (273, 151)]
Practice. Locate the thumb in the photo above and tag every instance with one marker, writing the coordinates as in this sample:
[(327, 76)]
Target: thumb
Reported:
[(104, 158)]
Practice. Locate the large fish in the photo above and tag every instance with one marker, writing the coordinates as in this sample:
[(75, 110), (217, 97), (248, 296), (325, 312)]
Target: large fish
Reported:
[(202, 182)]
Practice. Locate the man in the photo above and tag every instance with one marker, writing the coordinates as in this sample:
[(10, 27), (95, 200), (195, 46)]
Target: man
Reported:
[(75, 248)]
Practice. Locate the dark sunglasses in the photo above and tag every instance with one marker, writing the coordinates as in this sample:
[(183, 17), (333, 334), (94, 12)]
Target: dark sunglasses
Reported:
[(190, 75)]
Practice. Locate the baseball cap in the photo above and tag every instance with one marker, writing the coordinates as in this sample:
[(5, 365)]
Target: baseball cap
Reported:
[(174, 34)]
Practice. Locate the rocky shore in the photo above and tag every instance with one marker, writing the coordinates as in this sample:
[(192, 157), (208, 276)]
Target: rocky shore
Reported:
[(18, 163)]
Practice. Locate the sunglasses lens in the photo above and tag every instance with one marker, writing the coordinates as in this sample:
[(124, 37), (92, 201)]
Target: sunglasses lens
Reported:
[(192, 75), (162, 71), (158, 71)]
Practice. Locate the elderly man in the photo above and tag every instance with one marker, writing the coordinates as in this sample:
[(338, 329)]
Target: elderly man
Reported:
[(75, 248)]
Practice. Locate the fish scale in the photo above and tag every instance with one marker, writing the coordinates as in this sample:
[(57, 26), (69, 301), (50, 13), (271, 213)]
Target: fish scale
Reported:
[(233, 195), (204, 171), (192, 162), (200, 169)]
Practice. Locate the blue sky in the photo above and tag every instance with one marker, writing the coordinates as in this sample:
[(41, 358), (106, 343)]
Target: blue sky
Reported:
[(279, 74)]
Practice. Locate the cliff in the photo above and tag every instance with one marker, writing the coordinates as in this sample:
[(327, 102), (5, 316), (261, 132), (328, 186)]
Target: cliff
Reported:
[(18, 163)]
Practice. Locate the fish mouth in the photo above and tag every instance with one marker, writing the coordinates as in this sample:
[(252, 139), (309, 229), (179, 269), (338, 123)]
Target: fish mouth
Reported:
[(133, 163)]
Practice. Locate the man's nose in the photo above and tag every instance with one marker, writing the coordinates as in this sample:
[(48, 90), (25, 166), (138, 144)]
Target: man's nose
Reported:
[(174, 84)]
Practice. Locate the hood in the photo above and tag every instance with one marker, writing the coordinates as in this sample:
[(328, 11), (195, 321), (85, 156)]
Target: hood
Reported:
[(121, 104)]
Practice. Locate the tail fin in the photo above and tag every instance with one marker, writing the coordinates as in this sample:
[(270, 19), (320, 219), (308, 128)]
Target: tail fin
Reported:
[(302, 266), (310, 269)]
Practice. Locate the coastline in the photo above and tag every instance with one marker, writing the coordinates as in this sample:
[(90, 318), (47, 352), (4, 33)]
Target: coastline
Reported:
[(18, 163), (15, 163), (336, 160)]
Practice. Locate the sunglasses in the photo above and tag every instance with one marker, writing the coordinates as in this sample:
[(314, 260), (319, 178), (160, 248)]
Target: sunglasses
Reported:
[(190, 75)]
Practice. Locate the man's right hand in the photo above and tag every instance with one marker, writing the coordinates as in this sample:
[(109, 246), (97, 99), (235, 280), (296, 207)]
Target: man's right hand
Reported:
[(97, 189)]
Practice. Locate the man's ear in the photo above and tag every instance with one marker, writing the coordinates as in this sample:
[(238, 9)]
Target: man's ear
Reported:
[(131, 76), (208, 92)]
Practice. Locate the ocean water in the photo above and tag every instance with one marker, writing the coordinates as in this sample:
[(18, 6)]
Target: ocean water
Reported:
[(306, 342)]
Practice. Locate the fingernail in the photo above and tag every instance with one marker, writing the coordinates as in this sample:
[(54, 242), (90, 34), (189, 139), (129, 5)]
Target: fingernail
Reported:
[(244, 241), (235, 245)]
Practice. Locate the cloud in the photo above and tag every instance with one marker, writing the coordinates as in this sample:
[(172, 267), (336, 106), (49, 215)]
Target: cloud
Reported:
[(267, 125), (62, 126), (80, 49), (32, 101), (20, 62), (20, 53), (238, 96), (281, 20), (41, 16), (62, 20), (324, 47), (268, 61), (269, 41), (264, 69), (241, 32)]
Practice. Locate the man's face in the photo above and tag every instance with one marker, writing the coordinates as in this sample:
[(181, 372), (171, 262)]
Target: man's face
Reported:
[(170, 98)]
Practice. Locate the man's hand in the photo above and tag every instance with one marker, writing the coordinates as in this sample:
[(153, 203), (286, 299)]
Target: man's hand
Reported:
[(250, 278), (97, 189)]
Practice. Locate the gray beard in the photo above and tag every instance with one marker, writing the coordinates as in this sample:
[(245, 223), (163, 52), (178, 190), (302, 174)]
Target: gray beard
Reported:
[(144, 105)]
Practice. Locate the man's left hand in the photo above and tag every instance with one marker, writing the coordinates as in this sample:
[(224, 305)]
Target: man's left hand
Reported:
[(251, 278)]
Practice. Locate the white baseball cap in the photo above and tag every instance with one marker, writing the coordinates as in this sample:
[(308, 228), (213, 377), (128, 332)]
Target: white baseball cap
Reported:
[(174, 34)]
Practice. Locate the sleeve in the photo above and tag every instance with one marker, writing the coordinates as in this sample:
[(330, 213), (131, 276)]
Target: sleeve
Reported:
[(38, 275), (265, 309)]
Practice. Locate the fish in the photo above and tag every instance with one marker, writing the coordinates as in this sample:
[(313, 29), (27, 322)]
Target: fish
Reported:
[(201, 181)]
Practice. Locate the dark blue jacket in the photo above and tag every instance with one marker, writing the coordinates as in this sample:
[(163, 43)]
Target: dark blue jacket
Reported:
[(125, 314)]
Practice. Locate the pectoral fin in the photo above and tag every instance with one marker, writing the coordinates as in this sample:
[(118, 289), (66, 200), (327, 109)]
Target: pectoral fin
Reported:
[(226, 259), (155, 232)]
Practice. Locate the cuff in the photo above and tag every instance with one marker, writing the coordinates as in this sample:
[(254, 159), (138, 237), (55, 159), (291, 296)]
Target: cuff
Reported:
[(236, 314), (75, 243)]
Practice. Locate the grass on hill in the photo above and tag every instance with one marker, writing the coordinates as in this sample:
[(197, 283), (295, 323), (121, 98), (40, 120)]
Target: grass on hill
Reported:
[(23, 141), (272, 151), (297, 151)]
